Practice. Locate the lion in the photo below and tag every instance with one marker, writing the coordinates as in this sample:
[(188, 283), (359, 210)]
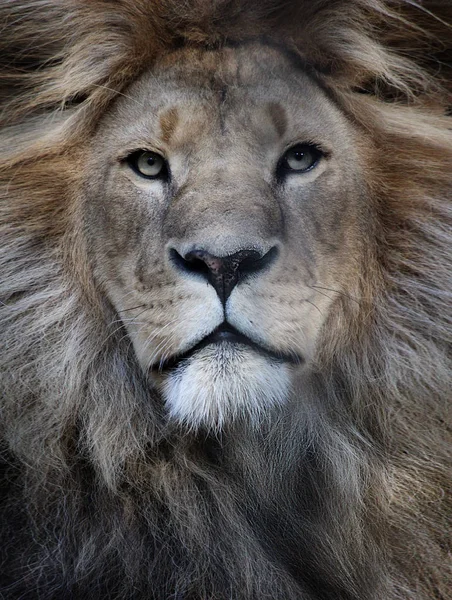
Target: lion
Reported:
[(226, 300)]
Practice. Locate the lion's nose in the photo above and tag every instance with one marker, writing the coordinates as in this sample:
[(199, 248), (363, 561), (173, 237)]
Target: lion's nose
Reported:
[(223, 272)]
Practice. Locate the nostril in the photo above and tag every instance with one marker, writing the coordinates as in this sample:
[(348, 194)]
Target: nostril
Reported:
[(255, 262), (189, 263), (195, 265)]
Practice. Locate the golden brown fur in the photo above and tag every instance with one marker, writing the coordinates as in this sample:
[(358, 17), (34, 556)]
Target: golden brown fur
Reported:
[(349, 498)]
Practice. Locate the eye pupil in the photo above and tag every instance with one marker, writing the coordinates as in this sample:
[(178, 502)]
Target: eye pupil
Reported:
[(151, 161)]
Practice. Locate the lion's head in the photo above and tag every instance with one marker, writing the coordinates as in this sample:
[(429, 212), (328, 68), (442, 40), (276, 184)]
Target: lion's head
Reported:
[(226, 211), (225, 311)]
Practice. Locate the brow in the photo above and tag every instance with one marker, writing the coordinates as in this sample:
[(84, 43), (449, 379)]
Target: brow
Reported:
[(278, 117), (168, 123)]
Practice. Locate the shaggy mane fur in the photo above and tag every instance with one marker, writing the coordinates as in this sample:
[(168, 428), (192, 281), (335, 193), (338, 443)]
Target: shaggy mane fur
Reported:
[(102, 499)]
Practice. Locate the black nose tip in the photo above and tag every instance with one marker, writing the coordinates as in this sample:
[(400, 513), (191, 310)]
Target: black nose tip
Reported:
[(223, 272)]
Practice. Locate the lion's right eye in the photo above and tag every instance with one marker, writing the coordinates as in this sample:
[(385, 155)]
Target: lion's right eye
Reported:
[(299, 159), (148, 164)]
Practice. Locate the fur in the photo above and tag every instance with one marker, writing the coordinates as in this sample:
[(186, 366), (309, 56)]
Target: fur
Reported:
[(101, 498)]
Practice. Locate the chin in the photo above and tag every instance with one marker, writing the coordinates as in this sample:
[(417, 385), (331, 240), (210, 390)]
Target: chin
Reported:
[(223, 382)]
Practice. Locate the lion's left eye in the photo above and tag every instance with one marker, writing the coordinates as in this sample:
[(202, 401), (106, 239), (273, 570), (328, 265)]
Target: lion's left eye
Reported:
[(148, 164), (300, 158)]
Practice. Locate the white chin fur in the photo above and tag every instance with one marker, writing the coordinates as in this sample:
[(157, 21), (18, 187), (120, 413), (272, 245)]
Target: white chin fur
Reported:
[(222, 382)]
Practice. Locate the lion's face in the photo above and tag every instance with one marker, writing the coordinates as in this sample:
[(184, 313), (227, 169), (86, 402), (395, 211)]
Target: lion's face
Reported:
[(224, 203)]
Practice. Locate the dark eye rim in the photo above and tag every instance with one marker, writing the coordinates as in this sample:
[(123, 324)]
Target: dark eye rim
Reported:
[(283, 168), (132, 158)]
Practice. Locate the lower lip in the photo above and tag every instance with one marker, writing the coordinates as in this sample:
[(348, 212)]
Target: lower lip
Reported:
[(219, 339), (228, 337)]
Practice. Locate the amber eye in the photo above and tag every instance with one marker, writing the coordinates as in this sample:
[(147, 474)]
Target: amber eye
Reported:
[(300, 158), (148, 164)]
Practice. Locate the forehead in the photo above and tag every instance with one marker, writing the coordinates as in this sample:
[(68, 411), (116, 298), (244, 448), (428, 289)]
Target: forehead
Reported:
[(242, 67), (192, 91)]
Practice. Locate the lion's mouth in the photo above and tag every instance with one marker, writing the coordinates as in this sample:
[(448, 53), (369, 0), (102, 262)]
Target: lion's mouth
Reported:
[(226, 334)]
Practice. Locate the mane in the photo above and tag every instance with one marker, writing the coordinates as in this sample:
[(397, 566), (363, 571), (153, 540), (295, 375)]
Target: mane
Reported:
[(369, 471)]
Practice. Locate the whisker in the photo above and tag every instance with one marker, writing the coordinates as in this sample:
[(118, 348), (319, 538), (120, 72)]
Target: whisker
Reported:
[(161, 348), (314, 305), (133, 308), (334, 291), (164, 356), (131, 319), (105, 87), (156, 334), (112, 333)]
